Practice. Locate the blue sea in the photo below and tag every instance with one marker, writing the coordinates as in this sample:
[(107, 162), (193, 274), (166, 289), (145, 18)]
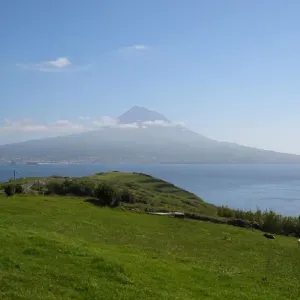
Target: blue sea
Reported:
[(275, 187)]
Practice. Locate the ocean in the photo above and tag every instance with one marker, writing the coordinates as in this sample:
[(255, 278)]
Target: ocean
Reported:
[(275, 187)]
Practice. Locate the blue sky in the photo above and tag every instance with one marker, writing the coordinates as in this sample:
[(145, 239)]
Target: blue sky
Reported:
[(228, 69)]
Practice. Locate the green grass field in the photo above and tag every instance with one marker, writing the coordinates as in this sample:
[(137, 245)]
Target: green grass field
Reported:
[(65, 248)]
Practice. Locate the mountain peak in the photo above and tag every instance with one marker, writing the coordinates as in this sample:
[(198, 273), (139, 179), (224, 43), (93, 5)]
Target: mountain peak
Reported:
[(138, 114)]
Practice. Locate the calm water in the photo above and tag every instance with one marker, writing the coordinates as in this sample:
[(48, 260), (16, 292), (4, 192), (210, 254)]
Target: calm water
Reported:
[(274, 187)]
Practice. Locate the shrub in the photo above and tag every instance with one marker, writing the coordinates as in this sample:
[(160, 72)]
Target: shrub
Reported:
[(107, 194), (10, 190), (126, 196), (71, 187), (54, 187), (19, 189), (269, 221)]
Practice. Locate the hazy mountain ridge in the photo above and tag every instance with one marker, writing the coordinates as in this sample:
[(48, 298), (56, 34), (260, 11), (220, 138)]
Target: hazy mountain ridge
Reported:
[(143, 144)]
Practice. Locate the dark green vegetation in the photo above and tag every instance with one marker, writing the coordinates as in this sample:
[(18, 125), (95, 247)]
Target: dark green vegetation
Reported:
[(269, 221), (10, 189), (56, 247), (144, 142)]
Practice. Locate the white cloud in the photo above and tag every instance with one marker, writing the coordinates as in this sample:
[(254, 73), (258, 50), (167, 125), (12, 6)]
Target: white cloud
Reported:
[(111, 122), (29, 126), (82, 118), (139, 47), (23, 125), (24, 129), (60, 126), (130, 125), (63, 122), (134, 48), (61, 64), (106, 121), (162, 123)]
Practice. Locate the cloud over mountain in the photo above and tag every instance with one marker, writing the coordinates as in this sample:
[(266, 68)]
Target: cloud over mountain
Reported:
[(28, 128)]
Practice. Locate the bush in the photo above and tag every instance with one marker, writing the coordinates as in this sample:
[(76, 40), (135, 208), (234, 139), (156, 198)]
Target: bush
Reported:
[(10, 190), (19, 189), (71, 187), (54, 187), (269, 221), (126, 196), (107, 194)]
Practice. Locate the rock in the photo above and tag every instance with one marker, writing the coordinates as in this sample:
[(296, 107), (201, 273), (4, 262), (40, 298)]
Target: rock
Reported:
[(238, 222), (204, 218), (255, 225), (244, 223), (179, 215), (269, 236)]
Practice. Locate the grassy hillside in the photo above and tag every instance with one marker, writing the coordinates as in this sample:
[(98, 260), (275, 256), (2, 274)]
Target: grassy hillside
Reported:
[(65, 248), (160, 194), (149, 192)]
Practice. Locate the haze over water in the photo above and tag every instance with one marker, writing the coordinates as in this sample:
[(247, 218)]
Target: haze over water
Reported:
[(274, 187)]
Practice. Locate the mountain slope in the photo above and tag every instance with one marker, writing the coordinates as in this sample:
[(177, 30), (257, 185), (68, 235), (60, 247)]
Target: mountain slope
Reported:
[(167, 143)]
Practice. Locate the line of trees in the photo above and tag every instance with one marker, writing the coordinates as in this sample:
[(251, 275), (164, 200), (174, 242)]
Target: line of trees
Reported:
[(269, 221)]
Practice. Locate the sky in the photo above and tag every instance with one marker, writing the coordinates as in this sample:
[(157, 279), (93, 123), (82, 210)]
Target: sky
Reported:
[(227, 69)]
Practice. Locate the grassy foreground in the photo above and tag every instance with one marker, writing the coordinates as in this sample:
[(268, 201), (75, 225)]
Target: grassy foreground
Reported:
[(65, 248)]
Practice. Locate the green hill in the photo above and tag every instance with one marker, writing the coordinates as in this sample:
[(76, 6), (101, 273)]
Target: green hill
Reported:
[(148, 192), (65, 248), (157, 193)]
